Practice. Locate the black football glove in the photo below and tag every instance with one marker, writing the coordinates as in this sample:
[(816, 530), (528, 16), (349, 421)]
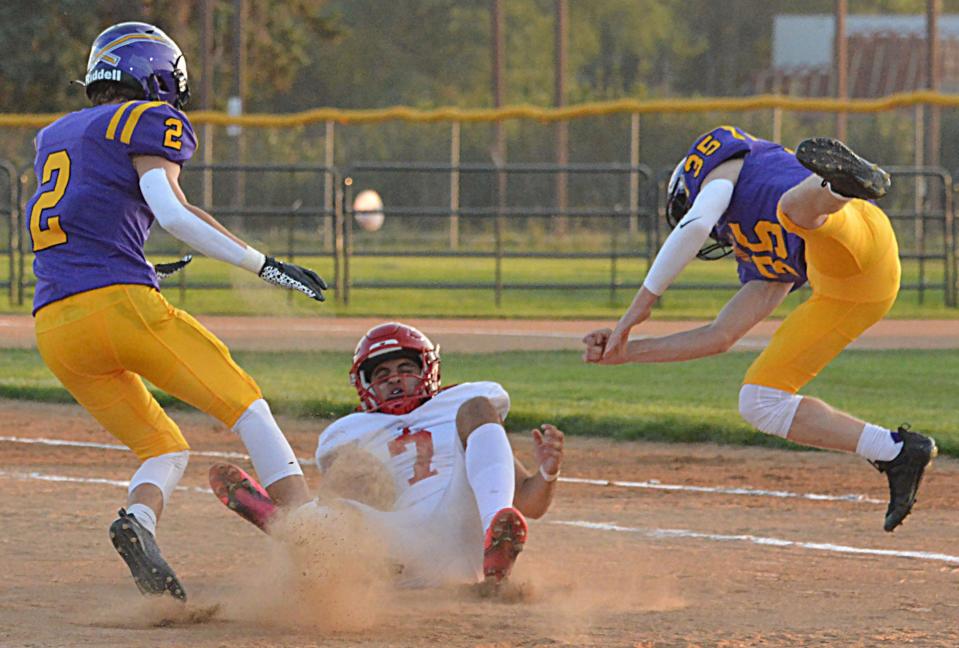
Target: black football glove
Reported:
[(293, 277), (164, 270)]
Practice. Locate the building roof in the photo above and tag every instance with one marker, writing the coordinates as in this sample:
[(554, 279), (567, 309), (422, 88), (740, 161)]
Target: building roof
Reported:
[(807, 41)]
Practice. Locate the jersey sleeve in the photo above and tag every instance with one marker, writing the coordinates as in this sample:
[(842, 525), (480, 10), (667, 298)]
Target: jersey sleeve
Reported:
[(332, 437), (709, 151), (487, 389), (153, 128)]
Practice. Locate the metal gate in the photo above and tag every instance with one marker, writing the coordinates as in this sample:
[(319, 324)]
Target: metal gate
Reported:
[(287, 211), (473, 211), (920, 206), (466, 211), (10, 228)]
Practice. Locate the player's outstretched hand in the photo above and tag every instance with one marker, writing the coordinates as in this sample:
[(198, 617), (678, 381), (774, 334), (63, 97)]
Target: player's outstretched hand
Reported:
[(293, 277), (164, 270), (596, 344), (607, 346), (548, 448)]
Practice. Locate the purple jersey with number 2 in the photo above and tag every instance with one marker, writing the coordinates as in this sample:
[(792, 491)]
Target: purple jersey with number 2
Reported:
[(88, 220), (764, 250)]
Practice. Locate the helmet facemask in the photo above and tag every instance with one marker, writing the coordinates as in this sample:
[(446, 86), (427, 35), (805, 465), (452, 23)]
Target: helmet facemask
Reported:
[(386, 342), (402, 403)]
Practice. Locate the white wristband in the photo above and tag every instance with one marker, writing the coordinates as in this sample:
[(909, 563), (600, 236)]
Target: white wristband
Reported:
[(548, 478)]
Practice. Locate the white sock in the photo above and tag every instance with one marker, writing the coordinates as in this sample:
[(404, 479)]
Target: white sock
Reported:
[(878, 444), (490, 470), (145, 515)]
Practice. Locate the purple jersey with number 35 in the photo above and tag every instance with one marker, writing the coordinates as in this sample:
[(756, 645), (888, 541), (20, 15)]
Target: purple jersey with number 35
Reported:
[(88, 220), (764, 250)]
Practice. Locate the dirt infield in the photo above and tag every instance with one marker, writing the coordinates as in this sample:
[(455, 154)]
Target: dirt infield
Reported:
[(709, 546), (694, 545)]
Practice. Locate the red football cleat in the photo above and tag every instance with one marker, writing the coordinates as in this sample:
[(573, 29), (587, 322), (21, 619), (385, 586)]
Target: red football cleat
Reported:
[(243, 494), (504, 540)]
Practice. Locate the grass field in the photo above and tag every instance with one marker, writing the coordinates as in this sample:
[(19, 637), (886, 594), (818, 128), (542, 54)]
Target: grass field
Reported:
[(694, 401), (248, 296)]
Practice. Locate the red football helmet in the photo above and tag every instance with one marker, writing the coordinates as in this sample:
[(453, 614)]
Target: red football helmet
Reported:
[(385, 342)]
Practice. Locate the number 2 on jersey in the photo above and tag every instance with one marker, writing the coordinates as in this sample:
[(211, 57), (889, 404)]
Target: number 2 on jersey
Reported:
[(52, 234), (423, 440)]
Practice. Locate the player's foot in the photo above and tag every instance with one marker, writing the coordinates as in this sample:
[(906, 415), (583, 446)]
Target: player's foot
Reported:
[(847, 174), (504, 540), (905, 473), (243, 494), (139, 550)]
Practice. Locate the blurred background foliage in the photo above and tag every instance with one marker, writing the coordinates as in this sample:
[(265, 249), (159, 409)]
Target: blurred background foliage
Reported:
[(301, 54)]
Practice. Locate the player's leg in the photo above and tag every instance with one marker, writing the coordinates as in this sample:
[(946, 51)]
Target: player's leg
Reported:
[(805, 343), (853, 263), (808, 340), (180, 356), (491, 472), (118, 400), (840, 175)]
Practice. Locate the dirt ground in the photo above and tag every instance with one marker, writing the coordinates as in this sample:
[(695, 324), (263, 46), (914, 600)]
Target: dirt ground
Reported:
[(671, 555)]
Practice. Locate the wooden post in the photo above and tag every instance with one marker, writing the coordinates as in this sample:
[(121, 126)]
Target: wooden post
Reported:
[(455, 149), (841, 66), (633, 174), (329, 161)]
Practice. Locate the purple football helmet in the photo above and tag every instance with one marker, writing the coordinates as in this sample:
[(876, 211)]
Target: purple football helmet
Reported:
[(140, 56)]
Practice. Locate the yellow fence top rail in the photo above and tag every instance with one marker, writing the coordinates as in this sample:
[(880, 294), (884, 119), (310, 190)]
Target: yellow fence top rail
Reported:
[(675, 105)]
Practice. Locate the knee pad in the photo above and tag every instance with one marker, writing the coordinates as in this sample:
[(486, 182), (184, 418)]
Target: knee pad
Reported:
[(768, 409), (163, 471), (270, 452)]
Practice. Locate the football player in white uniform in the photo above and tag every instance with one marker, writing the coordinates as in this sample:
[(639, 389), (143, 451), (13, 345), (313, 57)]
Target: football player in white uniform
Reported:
[(461, 495)]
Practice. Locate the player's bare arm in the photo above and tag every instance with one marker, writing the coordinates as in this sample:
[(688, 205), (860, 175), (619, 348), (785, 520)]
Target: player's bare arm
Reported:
[(750, 305), (534, 491)]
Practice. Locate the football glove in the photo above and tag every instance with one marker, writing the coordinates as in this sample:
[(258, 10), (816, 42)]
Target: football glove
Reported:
[(293, 277), (164, 270)]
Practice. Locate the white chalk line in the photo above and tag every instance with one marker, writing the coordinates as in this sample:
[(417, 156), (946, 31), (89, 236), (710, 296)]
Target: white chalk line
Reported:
[(116, 447), (654, 484), (88, 480), (760, 540), (583, 524), (646, 485)]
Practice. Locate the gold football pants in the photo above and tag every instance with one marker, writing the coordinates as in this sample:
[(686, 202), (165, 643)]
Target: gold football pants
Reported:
[(99, 343), (853, 267)]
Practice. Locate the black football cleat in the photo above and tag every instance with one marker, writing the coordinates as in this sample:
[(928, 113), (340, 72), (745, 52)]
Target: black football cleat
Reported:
[(847, 174), (139, 550), (905, 473)]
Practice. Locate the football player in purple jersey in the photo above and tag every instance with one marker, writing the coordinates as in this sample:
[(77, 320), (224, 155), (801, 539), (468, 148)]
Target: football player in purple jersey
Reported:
[(789, 218), (104, 174)]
